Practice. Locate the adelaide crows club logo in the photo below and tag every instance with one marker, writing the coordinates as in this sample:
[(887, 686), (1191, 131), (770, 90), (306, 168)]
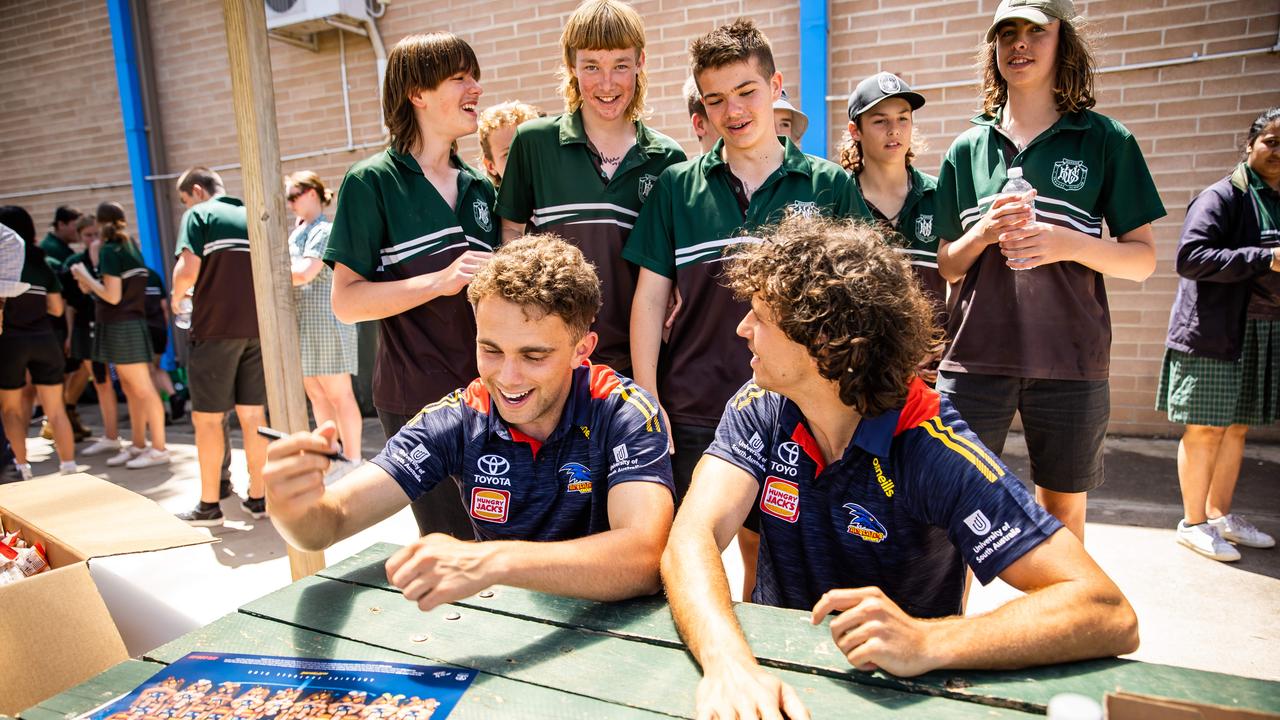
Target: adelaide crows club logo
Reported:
[(1069, 174), (483, 218), (576, 477), (864, 525)]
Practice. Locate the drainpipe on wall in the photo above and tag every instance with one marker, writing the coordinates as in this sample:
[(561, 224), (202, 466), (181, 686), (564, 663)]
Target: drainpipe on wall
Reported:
[(814, 59), (124, 47)]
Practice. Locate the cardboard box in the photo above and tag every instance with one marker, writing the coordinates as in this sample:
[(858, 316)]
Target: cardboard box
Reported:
[(56, 630), (1131, 706)]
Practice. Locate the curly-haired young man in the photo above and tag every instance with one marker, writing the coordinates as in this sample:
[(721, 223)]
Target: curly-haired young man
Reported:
[(873, 493), (543, 446)]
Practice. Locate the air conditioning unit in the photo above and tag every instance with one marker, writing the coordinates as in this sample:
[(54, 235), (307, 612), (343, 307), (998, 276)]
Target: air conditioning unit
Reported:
[(304, 17)]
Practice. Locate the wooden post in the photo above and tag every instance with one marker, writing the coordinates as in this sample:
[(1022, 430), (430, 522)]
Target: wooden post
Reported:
[(253, 99)]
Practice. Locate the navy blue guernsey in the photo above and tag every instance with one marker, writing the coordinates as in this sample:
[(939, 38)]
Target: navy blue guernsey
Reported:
[(914, 498), (516, 488)]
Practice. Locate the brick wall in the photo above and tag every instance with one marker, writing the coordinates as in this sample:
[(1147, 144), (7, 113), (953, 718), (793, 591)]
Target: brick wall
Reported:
[(60, 122)]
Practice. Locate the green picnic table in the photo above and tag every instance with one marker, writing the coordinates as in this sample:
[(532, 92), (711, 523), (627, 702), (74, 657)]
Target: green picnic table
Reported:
[(544, 656)]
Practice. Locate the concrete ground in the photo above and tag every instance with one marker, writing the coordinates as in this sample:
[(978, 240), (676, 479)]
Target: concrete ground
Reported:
[(1194, 612)]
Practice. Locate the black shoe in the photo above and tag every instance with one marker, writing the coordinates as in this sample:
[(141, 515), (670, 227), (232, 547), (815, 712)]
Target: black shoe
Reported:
[(224, 490), (204, 515), (256, 507), (177, 407)]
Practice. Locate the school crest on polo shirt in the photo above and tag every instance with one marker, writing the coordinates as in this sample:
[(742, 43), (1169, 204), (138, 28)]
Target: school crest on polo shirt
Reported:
[(924, 228), (803, 208), (645, 185), (483, 218), (1069, 174)]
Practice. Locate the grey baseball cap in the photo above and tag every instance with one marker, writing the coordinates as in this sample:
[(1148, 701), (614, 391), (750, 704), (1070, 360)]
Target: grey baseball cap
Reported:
[(1040, 12), (878, 87)]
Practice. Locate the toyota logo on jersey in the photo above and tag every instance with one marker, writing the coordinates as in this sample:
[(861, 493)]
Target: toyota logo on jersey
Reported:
[(493, 465)]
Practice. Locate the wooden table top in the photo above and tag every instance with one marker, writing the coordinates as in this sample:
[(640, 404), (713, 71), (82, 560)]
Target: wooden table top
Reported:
[(544, 656)]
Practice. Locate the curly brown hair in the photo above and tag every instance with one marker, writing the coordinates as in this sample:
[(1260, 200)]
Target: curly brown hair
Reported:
[(1072, 82), (420, 62), (543, 273), (849, 153), (838, 289)]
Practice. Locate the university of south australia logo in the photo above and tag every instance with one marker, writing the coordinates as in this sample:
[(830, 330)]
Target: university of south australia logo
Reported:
[(483, 218), (978, 523), (645, 186), (924, 228), (1069, 174)]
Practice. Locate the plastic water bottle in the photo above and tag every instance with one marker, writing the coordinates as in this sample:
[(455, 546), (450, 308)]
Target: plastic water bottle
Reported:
[(182, 320), (1069, 706), (1018, 185)]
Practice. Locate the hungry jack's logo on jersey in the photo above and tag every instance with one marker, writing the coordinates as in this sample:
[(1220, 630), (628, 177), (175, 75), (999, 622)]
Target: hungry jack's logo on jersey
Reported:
[(864, 525), (781, 499), (490, 505), (576, 477)]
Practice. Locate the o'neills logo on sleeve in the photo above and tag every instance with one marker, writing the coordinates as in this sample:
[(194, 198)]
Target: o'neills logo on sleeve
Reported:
[(781, 499), (490, 505)]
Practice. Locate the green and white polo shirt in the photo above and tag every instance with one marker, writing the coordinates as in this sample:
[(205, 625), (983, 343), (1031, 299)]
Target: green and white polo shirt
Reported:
[(56, 252), (217, 232), (1050, 322), (553, 185), (121, 259), (391, 224), (913, 234), (28, 314), (692, 222)]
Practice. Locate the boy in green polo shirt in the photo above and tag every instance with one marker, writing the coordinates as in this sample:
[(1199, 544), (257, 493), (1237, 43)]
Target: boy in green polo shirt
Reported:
[(413, 224), (1030, 328), (225, 364), (585, 174), (57, 243), (697, 212)]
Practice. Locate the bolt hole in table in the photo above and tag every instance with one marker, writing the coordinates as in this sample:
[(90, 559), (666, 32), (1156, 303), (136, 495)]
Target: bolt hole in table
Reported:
[(543, 656)]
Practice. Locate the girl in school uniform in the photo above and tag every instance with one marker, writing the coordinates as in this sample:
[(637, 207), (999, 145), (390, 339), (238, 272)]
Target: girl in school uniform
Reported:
[(1221, 369), (121, 336)]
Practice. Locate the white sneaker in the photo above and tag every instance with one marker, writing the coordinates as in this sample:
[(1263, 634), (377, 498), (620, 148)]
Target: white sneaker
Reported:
[(127, 453), (24, 470), (1204, 539), (148, 458), (68, 468), (1241, 532), (100, 446)]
